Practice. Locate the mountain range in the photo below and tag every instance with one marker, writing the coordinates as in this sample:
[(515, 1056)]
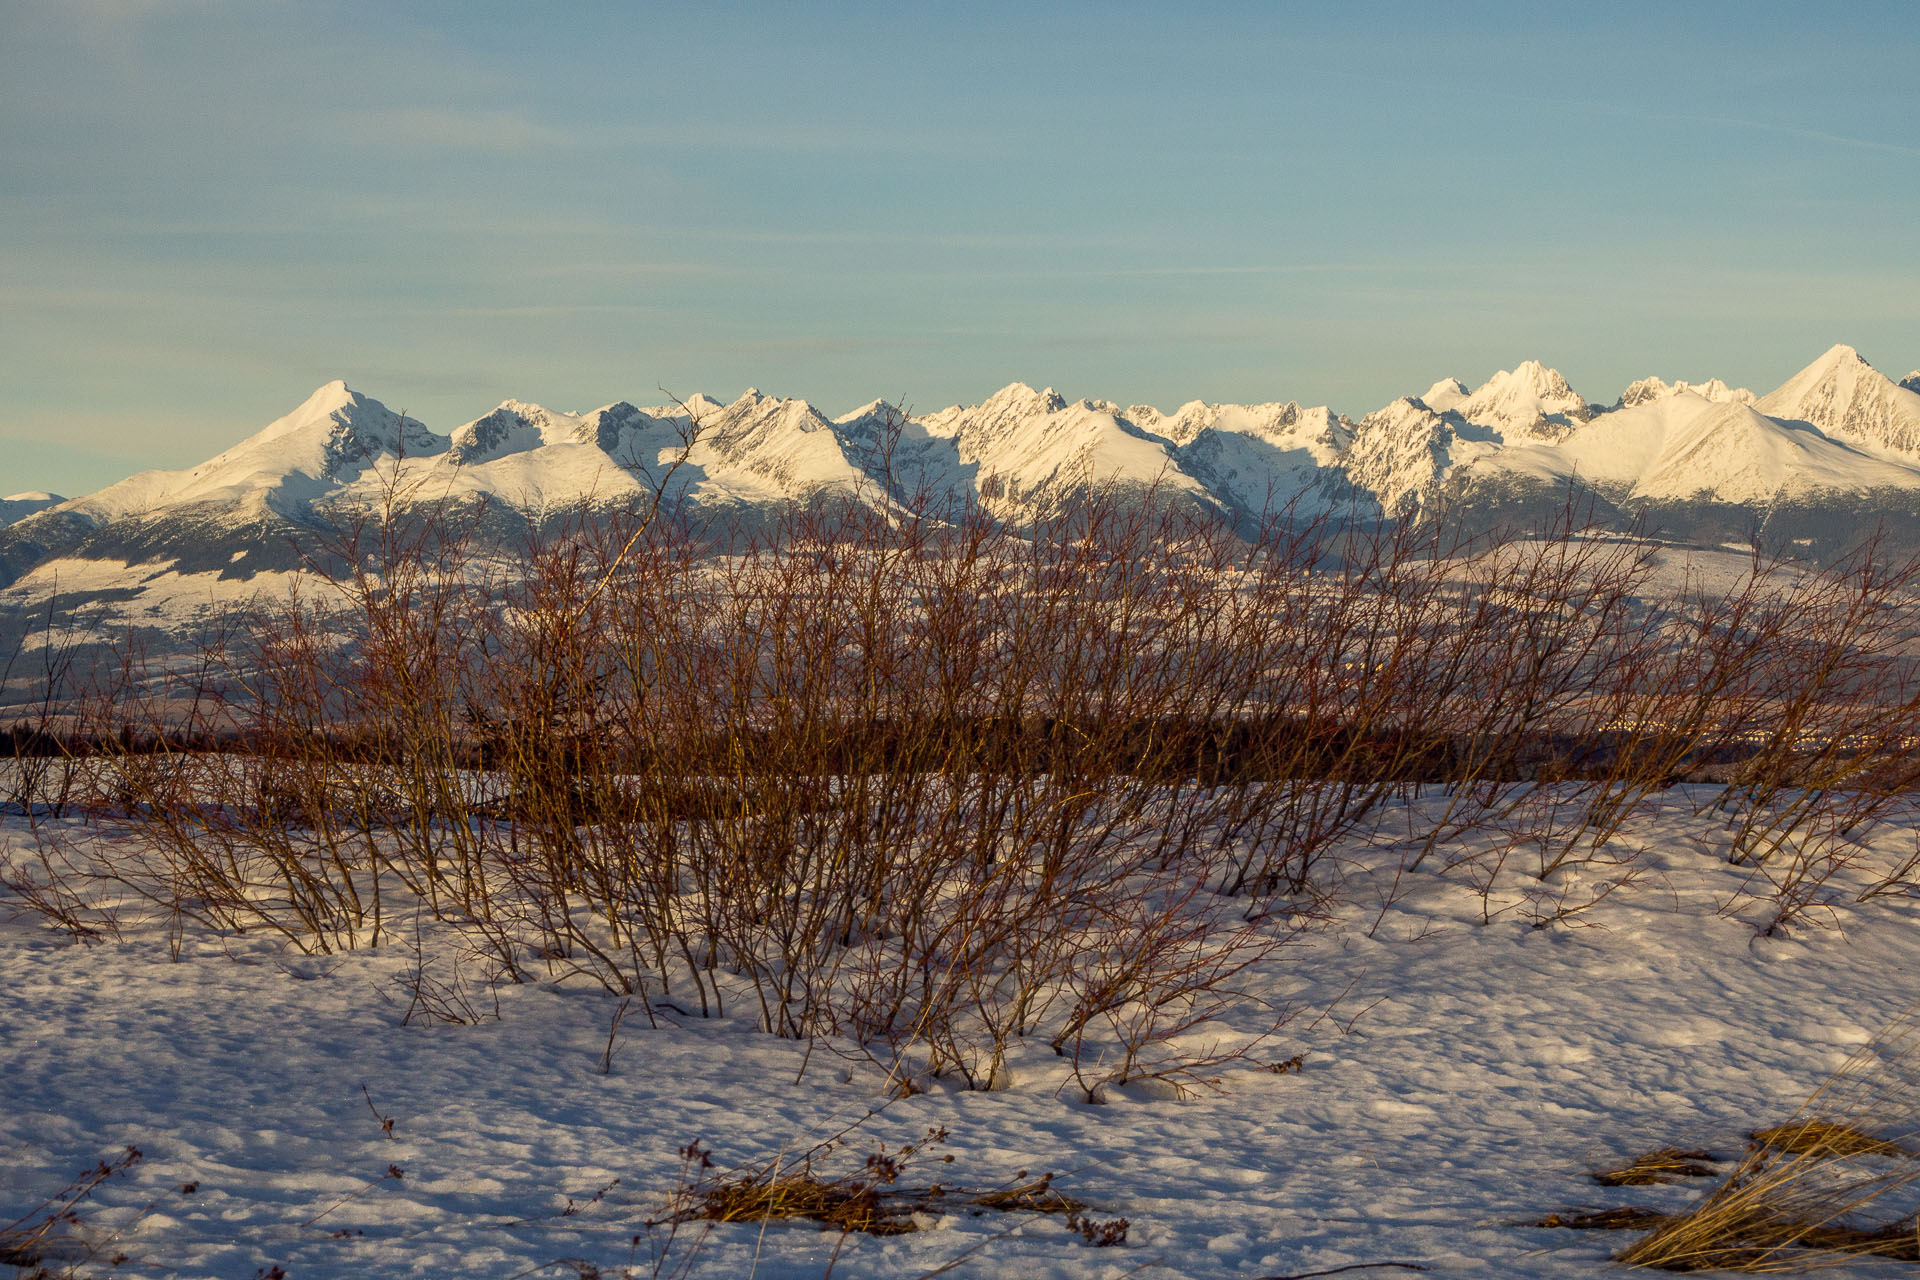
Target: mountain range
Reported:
[(1813, 464)]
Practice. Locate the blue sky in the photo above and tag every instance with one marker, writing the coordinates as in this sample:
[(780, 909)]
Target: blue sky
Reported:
[(210, 207)]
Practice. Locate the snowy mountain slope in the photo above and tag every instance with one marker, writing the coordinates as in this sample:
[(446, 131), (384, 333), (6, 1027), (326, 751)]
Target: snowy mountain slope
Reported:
[(536, 459), (899, 455), (335, 437), (1402, 453), (1029, 446), (1528, 403), (1850, 400), (1259, 460), (239, 507), (767, 449), (1735, 454), (1444, 394), (1609, 454), (514, 427), (1833, 429), (18, 506), (1650, 389), (1409, 451), (1615, 449)]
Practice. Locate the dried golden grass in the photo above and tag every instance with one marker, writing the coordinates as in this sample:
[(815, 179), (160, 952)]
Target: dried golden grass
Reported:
[(866, 1201), (1824, 1137), (1668, 1164), (842, 1205), (1833, 1184), (853, 1205)]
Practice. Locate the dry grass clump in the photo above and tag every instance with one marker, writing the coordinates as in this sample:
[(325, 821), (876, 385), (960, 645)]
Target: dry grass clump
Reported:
[(1837, 1182), (1633, 1217), (845, 1204), (1668, 1164), (867, 1201), (855, 1204), (1814, 1136)]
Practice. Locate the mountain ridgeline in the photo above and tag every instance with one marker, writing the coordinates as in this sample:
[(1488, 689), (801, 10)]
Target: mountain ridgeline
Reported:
[(1831, 454)]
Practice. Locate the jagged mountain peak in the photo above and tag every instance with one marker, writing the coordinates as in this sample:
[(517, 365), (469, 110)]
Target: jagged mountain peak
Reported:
[(334, 437), (513, 427), (1650, 390), (1912, 381), (1022, 395), (1401, 451), (1847, 398), (699, 405), (619, 410), (328, 401), (608, 425), (1401, 410), (1839, 354), (757, 410), (881, 409), (335, 431), (1528, 402), (1644, 391), (1543, 381), (325, 398), (1444, 394), (1195, 416)]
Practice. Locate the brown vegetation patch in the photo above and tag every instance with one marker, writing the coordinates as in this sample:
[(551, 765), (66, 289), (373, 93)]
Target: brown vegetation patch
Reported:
[(1633, 1217), (1815, 1137), (866, 1201), (856, 1205), (1668, 1164)]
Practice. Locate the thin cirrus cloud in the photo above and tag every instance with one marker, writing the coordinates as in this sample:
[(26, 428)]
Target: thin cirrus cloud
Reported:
[(501, 131), (515, 133)]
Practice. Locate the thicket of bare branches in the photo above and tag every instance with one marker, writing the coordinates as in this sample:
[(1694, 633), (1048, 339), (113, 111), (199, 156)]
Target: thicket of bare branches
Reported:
[(932, 784)]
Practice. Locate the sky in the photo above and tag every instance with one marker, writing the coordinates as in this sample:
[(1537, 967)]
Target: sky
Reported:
[(210, 207)]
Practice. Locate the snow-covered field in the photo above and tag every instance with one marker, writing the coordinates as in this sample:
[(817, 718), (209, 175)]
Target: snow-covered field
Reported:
[(1457, 1077)]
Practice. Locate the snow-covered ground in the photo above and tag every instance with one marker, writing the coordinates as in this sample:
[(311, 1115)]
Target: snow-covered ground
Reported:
[(1457, 1077)]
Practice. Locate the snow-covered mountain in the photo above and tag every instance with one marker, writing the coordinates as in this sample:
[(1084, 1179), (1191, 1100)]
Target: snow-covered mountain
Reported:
[(1650, 389), (1850, 400), (334, 438), (18, 506), (1834, 449), (1532, 402)]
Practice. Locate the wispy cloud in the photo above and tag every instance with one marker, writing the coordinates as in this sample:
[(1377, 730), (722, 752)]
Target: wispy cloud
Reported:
[(547, 311), (1623, 111), (880, 134), (1812, 135), (636, 270), (440, 129), (1292, 269)]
